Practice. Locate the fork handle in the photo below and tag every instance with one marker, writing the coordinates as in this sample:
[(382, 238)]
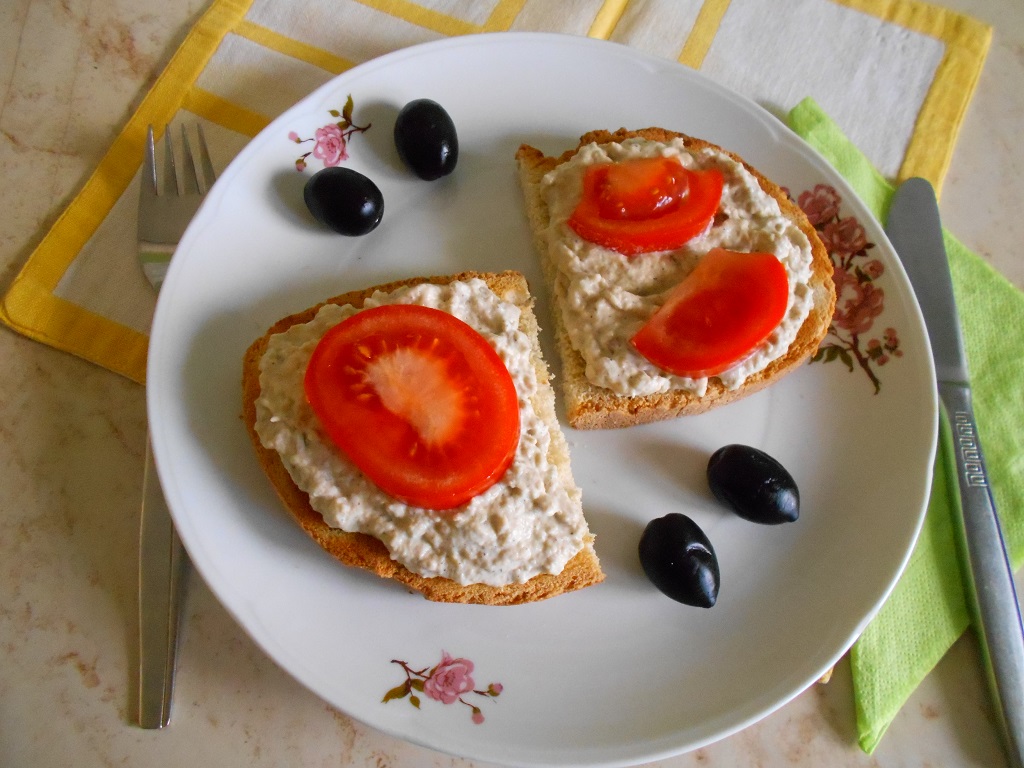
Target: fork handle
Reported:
[(161, 557)]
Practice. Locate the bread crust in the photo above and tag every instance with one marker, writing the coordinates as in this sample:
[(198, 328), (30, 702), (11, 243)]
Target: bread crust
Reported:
[(361, 550), (592, 407)]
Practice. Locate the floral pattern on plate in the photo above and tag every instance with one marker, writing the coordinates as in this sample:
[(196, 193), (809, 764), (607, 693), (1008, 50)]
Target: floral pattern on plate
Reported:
[(447, 682), (860, 300), (330, 142)]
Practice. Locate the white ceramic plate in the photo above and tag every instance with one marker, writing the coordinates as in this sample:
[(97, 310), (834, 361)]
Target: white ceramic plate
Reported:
[(615, 674)]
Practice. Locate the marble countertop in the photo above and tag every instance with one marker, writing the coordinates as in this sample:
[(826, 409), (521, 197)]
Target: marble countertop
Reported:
[(72, 464)]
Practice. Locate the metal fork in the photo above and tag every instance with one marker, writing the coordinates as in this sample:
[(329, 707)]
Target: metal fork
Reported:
[(163, 217)]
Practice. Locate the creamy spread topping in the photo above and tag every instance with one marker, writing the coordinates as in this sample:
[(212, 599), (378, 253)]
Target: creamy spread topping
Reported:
[(526, 524), (610, 296)]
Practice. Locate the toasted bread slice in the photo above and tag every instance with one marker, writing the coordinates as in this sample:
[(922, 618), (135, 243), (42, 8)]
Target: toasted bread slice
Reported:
[(364, 551), (594, 407)]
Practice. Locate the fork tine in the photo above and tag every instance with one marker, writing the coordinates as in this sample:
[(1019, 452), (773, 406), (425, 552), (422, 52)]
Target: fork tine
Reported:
[(149, 186), (170, 174), (190, 175), (209, 175)]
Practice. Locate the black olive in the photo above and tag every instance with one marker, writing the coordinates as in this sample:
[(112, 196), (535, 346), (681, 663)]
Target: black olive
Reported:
[(426, 140), (344, 200), (679, 560), (755, 485)]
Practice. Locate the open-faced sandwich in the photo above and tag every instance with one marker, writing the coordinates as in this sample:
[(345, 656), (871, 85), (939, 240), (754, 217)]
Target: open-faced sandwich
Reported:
[(410, 429), (682, 278)]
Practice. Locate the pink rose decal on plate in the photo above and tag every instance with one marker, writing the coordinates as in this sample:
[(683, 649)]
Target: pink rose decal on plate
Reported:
[(821, 204), (330, 142), (330, 145), (860, 300), (448, 682), (844, 237)]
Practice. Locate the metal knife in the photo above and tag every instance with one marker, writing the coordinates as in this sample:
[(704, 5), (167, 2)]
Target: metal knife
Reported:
[(915, 230)]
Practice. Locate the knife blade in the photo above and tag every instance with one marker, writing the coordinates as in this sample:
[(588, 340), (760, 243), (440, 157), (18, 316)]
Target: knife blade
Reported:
[(914, 228)]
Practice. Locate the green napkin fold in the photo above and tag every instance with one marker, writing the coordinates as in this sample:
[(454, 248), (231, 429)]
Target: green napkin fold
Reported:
[(928, 609)]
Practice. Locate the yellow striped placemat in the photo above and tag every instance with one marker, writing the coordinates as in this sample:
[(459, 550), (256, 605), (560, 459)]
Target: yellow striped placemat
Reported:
[(914, 67)]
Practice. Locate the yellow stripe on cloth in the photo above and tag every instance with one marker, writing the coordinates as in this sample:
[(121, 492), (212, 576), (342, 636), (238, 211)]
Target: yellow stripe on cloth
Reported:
[(423, 17), (499, 20), (703, 33), (607, 19), (503, 15), (938, 123), (310, 54), (225, 113), (35, 312)]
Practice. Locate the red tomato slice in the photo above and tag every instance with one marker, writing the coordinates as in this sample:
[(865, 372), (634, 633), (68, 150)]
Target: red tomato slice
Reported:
[(645, 204), (418, 400), (641, 189), (718, 315)]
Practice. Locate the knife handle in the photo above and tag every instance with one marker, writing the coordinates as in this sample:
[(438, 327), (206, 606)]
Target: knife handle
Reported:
[(998, 618)]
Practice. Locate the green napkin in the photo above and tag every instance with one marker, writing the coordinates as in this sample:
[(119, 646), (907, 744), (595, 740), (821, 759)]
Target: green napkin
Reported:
[(928, 608)]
